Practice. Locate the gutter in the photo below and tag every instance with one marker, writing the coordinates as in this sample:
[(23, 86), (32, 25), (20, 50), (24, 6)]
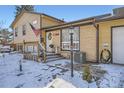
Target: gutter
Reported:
[(74, 25)]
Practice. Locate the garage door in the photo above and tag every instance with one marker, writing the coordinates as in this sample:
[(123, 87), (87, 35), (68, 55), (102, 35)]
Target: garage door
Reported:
[(118, 45)]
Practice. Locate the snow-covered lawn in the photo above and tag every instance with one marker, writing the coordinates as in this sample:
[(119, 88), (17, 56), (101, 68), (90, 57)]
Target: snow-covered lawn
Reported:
[(38, 75)]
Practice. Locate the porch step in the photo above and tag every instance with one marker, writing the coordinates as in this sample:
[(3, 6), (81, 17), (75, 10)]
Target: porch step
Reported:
[(53, 54), (54, 59), (51, 57)]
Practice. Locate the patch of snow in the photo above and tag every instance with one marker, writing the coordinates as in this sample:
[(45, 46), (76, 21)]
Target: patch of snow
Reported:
[(37, 75), (60, 83)]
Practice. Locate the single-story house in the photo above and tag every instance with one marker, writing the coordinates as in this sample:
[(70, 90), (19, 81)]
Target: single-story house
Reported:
[(90, 35)]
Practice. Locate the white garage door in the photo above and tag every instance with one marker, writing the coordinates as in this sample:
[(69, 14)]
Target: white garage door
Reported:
[(118, 45)]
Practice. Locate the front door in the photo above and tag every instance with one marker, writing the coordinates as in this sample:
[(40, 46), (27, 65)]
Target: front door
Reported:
[(49, 38)]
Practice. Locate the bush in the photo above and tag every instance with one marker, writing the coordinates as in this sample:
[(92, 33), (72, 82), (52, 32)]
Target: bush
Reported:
[(87, 74)]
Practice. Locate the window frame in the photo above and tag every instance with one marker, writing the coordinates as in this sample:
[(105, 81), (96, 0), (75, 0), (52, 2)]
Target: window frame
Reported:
[(68, 42)]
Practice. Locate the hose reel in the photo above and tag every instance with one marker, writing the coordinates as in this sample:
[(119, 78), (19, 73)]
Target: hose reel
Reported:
[(105, 56)]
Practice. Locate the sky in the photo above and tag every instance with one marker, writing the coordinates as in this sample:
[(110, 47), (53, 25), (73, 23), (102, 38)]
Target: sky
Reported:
[(66, 12)]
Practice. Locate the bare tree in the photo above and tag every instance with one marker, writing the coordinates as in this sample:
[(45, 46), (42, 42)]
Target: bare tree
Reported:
[(2, 24)]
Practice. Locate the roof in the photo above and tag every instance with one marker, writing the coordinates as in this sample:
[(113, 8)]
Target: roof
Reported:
[(79, 22), (18, 17), (110, 18), (85, 21), (97, 19)]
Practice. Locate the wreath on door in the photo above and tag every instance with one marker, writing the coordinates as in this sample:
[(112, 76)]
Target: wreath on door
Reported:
[(50, 36)]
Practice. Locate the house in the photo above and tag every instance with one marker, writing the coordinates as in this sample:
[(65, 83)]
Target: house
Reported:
[(90, 35), (24, 38)]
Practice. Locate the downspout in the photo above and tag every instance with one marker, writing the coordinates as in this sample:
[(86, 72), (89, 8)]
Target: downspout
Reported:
[(97, 39)]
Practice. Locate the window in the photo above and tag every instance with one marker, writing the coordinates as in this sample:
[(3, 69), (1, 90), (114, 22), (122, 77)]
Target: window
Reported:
[(16, 31), (24, 29), (66, 39), (30, 48), (35, 49), (34, 22), (20, 48)]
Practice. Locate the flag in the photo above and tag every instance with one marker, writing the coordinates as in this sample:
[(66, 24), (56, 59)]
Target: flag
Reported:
[(36, 31)]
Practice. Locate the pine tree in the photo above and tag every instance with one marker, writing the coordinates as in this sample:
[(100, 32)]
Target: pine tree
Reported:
[(20, 8), (5, 36)]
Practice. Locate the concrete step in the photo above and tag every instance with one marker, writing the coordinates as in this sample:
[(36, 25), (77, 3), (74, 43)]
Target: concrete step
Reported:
[(54, 59), (50, 57), (53, 54)]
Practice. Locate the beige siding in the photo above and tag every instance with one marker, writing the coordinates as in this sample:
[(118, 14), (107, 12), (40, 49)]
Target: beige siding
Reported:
[(56, 38), (46, 21), (25, 20), (88, 41)]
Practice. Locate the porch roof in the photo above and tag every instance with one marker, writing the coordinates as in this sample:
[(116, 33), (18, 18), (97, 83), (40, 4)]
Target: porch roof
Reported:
[(86, 21)]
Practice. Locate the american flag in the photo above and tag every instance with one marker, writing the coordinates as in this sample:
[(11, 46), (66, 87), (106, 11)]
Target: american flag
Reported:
[(36, 31)]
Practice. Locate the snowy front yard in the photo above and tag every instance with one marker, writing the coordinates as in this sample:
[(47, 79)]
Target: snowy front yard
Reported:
[(38, 75)]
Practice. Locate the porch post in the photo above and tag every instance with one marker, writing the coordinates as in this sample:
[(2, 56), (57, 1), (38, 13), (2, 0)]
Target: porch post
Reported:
[(97, 40), (38, 52)]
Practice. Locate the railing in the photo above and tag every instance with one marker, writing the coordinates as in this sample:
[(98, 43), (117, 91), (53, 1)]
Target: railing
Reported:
[(43, 50)]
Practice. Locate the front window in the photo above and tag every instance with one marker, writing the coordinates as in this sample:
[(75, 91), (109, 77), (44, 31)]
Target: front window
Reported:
[(24, 29), (66, 39), (34, 22)]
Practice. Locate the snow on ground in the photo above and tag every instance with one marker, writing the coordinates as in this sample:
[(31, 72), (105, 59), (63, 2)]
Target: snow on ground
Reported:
[(38, 75), (114, 76)]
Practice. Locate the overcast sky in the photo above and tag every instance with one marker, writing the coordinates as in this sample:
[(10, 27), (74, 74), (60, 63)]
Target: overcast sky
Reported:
[(69, 13)]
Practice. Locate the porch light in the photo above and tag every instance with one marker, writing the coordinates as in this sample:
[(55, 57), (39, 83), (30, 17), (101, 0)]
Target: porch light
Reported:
[(71, 29)]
